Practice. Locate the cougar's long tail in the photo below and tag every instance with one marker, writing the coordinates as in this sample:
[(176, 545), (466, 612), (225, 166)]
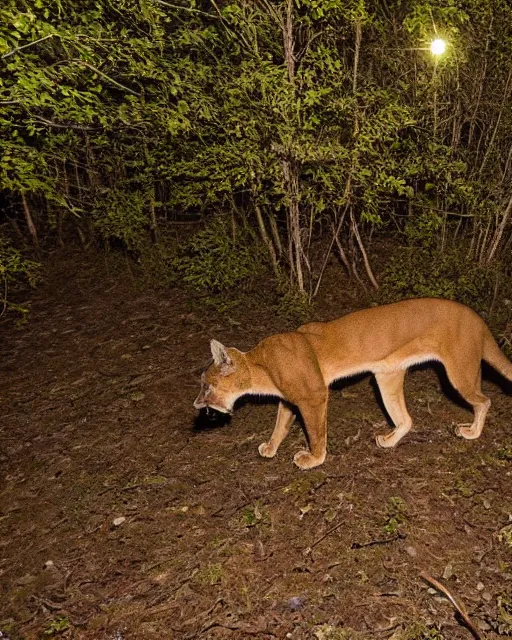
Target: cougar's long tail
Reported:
[(496, 358)]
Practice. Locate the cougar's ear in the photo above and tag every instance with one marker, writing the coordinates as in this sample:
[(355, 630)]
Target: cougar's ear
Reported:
[(220, 354)]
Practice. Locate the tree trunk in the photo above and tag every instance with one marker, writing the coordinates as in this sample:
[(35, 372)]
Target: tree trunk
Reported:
[(30, 222), (356, 55), (291, 178), (367, 265), (275, 233), (154, 223), (498, 234), (266, 238), (289, 42)]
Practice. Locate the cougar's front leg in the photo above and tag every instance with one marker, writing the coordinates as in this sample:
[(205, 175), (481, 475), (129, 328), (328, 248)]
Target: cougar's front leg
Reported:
[(314, 413), (285, 419)]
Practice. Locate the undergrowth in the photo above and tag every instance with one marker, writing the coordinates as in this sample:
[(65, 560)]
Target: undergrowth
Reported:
[(218, 263), (17, 272), (424, 267)]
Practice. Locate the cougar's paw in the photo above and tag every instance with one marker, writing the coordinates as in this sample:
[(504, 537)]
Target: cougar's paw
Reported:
[(266, 450), (384, 442), (466, 432), (306, 460)]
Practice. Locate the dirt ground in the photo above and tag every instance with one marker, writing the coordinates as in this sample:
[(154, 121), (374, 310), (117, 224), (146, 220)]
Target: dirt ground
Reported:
[(122, 516)]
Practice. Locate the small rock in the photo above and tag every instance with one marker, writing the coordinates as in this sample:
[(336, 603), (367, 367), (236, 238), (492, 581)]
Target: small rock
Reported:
[(199, 510), (304, 510), (486, 596), (259, 550), (331, 515), (486, 503), (448, 572), (118, 521), (138, 380), (183, 509), (483, 626), (296, 603), (411, 551), (480, 586), (49, 564)]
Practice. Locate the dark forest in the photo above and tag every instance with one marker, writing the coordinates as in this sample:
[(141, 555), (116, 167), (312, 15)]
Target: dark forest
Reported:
[(173, 171)]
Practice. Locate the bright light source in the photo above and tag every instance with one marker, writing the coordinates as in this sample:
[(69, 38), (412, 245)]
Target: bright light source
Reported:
[(438, 46)]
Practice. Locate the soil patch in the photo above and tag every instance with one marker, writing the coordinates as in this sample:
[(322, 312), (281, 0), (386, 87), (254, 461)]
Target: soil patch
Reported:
[(121, 518)]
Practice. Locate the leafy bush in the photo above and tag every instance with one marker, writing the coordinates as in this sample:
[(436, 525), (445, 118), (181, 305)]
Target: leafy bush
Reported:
[(423, 269), (158, 261), (415, 272), (292, 303), (15, 271), (213, 261), (122, 215), (189, 110)]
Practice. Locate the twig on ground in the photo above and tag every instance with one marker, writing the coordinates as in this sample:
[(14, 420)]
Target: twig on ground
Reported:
[(200, 616), (308, 550), (460, 608), (51, 606), (373, 543), (244, 627)]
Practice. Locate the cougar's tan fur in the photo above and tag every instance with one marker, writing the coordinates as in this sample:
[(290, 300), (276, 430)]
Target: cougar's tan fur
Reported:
[(299, 366)]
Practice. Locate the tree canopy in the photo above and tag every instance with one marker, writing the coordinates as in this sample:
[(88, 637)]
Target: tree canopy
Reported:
[(275, 122)]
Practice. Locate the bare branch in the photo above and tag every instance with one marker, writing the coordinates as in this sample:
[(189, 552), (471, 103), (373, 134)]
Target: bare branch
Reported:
[(29, 44), (104, 75), (356, 55), (461, 610), (68, 125), (499, 232), (30, 222), (506, 95), (190, 9), (335, 235), (367, 266), (289, 42), (481, 85), (271, 10), (328, 252)]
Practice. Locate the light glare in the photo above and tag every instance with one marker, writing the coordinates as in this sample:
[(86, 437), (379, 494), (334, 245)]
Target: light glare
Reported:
[(438, 46)]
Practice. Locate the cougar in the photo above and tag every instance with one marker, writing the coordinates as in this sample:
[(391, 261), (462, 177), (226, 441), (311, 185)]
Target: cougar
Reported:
[(299, 366)]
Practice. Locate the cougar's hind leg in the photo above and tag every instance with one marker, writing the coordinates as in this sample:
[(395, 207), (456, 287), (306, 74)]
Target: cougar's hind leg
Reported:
[(464, 372), (285, 419), (391, 386)]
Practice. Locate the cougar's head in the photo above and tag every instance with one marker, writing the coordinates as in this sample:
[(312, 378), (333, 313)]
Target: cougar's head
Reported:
[(225, 380)]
